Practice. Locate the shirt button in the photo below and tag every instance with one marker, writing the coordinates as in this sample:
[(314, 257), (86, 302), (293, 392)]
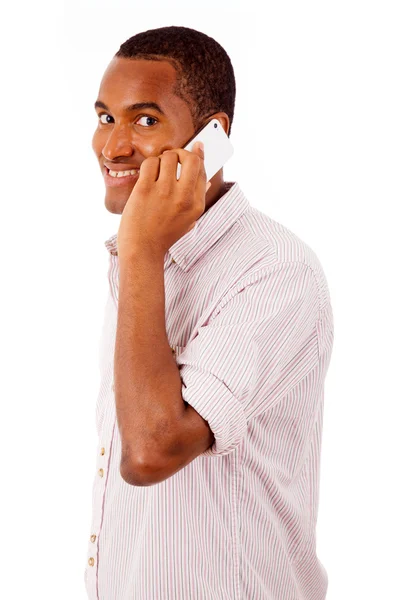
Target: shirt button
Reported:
[(174, 261), (102, 451), (101, 472), (173, 350), (91, 561), (93, 538)]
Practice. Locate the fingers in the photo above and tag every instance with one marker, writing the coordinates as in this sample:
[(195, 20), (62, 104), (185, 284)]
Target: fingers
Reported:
[(168, 166), (149, 169), (189, 171), (192, 166), (163, 168), (199, 149)]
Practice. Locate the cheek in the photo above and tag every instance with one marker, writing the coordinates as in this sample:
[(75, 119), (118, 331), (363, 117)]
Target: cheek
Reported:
[(143, 145), (150, 146)]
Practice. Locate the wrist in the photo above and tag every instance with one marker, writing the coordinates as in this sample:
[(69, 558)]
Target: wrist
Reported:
[(145, 254)]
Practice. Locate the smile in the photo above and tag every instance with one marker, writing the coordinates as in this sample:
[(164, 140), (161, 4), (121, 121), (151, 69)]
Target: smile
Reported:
[(123, 173), (120, 178)]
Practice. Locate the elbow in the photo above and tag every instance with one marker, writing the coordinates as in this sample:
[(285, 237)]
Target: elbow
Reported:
[(138, 472)]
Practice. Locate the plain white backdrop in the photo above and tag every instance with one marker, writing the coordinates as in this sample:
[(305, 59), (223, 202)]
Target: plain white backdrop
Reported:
[(316, 136)]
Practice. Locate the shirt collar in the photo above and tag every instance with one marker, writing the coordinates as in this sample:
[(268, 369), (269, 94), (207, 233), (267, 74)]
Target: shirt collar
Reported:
[(208, 229)]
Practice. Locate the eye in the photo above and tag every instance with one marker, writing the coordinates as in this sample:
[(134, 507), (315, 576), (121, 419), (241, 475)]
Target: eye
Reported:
[(145, 124), (147, 117), (104, 115)]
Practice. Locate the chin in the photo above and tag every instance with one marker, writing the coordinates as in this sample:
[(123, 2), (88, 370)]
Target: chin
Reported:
[(115, 204)]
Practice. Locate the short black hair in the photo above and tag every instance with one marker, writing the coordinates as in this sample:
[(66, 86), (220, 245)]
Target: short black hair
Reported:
[(205, 77)]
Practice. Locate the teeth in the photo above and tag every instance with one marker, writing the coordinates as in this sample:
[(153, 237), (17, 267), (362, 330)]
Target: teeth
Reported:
[(123, 173)]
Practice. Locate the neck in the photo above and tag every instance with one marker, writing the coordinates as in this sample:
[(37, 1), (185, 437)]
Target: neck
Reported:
[(218, 188)]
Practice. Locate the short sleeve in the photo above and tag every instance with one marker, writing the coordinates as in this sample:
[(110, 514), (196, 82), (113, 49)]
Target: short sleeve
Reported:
[(257, 346)]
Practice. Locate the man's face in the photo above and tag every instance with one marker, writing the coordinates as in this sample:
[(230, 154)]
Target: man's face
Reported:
[(124, 138)]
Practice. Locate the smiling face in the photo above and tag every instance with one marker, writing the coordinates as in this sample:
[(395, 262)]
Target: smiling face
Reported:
[(139, 116)]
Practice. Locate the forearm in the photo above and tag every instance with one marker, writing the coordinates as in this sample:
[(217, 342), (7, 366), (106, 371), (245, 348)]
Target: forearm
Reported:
[(148, 399)]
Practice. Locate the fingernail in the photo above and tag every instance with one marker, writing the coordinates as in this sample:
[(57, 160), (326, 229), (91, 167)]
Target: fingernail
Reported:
[(201, 145)]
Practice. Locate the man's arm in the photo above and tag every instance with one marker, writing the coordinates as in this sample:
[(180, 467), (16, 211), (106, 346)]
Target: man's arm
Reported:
[(160, 433)]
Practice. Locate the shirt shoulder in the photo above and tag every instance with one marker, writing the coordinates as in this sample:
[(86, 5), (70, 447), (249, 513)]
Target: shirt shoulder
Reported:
[(263, 244)]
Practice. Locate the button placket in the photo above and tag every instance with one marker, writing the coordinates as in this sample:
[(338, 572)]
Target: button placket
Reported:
[(100, 491), (102, 453)]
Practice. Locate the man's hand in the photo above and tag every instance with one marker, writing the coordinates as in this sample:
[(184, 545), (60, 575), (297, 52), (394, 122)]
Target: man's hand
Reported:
[(162, 209)]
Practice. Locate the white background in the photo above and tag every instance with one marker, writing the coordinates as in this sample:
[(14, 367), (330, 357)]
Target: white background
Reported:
[(316, 137)]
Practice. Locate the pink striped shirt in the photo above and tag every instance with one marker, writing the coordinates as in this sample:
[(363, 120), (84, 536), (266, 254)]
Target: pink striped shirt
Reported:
[(249, 318)]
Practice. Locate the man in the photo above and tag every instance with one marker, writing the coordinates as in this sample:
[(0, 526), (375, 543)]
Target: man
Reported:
[(216, 342)]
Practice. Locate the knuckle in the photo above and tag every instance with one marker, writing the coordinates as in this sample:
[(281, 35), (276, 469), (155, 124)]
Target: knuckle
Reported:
[(185, 201), (151, 161), (195, 159)]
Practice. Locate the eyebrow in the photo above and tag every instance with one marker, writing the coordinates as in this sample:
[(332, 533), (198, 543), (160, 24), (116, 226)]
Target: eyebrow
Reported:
[(132, 107)]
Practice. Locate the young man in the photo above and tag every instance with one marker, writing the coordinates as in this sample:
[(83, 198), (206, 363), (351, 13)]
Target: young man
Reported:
[(216, 342)]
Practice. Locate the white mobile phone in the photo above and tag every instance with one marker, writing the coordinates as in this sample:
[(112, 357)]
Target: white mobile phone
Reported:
[(217, 147)]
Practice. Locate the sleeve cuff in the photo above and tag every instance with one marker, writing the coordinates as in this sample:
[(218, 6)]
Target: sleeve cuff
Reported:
[(214, 401)]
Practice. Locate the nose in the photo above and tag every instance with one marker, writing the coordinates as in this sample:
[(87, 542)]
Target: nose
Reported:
[(119, 143)]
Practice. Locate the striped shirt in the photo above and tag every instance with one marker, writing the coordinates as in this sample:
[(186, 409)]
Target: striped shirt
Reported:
[(249, 320)]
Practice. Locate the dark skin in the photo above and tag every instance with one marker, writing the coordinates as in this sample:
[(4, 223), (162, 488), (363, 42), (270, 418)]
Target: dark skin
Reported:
[(160, 434), (129, 138)]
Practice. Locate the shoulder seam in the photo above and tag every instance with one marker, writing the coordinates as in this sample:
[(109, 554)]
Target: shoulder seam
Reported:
[(254, 277)]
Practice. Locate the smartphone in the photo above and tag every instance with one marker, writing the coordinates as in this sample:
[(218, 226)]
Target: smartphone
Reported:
[(217, 147)]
